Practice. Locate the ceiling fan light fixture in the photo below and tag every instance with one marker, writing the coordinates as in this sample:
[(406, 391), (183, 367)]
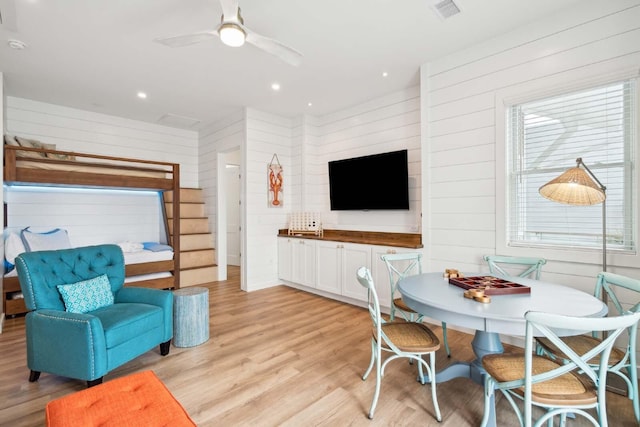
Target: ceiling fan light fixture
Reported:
[(232, 35)]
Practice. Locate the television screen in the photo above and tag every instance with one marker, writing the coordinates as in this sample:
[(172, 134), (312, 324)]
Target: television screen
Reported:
[(378, 181)]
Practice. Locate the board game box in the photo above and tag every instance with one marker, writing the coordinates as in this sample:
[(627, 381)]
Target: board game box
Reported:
[(491, 285)]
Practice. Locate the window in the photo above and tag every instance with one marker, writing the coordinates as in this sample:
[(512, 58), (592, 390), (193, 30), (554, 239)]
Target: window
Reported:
[(544, 138)]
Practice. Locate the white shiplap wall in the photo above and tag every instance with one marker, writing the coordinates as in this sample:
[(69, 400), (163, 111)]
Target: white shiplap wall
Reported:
[(462, 100), (384, 124), (96, 216), (463, 133), (266, 134), (222, 137)]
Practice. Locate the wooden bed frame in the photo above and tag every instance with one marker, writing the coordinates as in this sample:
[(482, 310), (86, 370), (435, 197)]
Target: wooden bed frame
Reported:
[(104, 172)]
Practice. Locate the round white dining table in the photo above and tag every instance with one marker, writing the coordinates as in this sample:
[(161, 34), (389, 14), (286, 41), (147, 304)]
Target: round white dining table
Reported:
[(432, 295)]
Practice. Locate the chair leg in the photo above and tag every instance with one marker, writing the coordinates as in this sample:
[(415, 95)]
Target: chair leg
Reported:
[(444, 338), (373, 355), (432, 375), (165, 347), (376, 394), (95, 382), (33, 376)]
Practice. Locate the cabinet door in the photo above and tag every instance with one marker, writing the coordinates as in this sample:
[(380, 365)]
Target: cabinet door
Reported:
[(328, 255), (354, 256), (380, 273), (303, 258), (284, 258)]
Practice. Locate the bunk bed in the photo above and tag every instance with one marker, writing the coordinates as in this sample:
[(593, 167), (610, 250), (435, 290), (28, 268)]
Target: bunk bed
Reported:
[(43, 165)]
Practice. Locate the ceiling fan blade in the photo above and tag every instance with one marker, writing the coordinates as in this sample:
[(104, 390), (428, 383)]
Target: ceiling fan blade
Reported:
[(274, 47), (229, 9), (186, 39)]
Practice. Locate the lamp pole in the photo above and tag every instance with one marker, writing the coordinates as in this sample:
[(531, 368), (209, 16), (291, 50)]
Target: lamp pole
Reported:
[(604, 214)]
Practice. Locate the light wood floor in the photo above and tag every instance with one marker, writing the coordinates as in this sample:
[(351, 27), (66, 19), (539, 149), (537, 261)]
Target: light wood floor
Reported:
[(276, 357)]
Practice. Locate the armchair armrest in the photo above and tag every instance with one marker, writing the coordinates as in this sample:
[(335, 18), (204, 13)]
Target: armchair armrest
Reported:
[(63, 342), (157, 297)]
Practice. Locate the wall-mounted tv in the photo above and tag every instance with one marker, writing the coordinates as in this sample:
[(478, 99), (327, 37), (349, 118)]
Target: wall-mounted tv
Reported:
[(374, 182)]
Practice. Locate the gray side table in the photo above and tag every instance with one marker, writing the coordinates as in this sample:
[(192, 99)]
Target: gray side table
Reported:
[(190, 316)]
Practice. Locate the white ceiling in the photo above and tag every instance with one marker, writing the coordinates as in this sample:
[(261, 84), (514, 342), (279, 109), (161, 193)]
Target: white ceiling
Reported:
[(95, 55)]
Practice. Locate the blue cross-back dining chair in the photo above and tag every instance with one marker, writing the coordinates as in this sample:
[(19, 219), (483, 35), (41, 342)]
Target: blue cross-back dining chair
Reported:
[(622, 362), (558, 387), (506, 266), (400, 266), (401, 339)]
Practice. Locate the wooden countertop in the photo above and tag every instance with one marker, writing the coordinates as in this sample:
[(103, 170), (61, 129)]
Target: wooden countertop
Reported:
[(401, 240)]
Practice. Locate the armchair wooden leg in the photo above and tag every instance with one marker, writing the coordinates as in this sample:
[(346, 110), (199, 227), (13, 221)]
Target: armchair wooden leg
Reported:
[(94, 382), (33, 376), (165, 347)]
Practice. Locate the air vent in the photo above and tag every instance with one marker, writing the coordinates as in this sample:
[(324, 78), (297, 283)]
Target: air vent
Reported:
[(445, 8), (176, 121)]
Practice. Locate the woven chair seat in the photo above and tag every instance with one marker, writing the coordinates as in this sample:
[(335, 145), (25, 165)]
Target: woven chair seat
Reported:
[(411, 337), (568, 389), (402, 306), (580, 344)]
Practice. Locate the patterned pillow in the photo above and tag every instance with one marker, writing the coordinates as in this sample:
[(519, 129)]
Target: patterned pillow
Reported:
[(88, 295)]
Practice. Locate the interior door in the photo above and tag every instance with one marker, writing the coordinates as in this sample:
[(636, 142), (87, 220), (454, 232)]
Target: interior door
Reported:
[(233, 214)]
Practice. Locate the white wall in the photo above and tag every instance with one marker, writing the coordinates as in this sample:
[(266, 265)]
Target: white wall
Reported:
[(384, 124), (463, 129), (225, 136), (98, 216), (464, 110), (267, 134)]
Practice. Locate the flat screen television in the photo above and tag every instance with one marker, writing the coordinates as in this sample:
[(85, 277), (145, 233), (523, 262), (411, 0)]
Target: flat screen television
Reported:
[(374, 182)]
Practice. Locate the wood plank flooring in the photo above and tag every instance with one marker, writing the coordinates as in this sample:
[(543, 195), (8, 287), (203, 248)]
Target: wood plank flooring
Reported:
[(277, 357)]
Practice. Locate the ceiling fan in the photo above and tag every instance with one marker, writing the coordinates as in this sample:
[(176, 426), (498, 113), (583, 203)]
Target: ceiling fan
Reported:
[(232, 32)]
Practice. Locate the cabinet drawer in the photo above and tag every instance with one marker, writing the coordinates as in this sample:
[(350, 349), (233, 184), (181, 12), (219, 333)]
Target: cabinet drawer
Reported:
[(15, 306)]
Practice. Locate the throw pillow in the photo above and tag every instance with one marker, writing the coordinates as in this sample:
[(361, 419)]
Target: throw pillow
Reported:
[(49, 241), (11, 140), (88, 295), (13, 247), (156, 247), (32, 143)]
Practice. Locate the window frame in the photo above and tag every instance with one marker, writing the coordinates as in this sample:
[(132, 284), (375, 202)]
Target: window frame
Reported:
[(535, 90)]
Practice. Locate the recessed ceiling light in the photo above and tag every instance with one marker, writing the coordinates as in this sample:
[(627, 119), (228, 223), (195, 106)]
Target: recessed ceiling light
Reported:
[(16, 44), (275, 86), (142, 95), (385, 74), (309, 104)]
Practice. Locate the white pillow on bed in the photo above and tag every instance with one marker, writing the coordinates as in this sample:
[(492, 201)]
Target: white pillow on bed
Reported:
[(51, 240), (13, 247)]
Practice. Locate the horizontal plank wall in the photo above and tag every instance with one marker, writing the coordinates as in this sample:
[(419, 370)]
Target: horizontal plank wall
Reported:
[(225, 136), (96, 217), (267, 134), (384, 124), (464, 139)]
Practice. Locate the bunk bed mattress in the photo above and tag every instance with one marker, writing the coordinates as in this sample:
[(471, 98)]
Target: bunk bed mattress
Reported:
[(134, 258), (84, 168)]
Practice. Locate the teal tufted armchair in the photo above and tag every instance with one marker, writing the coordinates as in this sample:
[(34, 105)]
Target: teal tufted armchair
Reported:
[(87, 345)]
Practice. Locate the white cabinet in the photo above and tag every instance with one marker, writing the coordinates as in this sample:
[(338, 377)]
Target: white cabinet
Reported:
[(331, 266), (297, 260), (329, 256), (337, 266), (303, 259), (380, 274), (354, 256), (284, 258)]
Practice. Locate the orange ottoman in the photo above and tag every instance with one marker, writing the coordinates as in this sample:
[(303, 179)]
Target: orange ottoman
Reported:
[(139, 400)]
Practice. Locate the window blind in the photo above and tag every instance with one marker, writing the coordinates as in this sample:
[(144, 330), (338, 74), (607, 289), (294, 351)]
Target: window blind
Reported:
[(546, 137)]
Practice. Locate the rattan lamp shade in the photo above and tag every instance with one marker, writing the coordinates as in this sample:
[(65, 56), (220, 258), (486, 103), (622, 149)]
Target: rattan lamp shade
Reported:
[(574, 187)]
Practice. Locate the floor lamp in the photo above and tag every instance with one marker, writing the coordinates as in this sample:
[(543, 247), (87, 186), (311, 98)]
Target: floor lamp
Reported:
[(580, 187)]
